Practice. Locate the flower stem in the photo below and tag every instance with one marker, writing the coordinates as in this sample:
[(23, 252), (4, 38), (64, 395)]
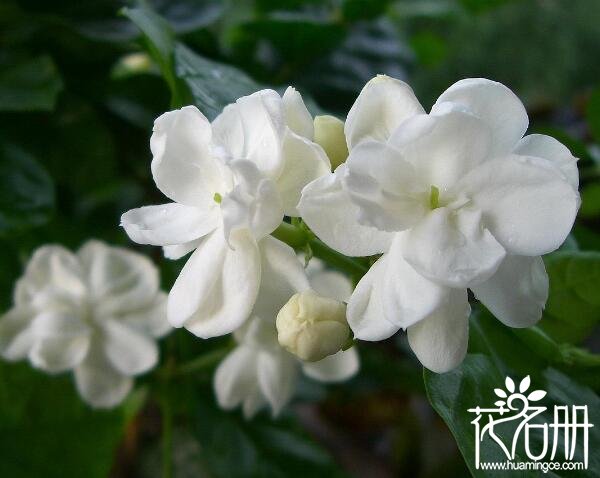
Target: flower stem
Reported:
[(167, 437), (548, 348), (203, 362), (299, 238)]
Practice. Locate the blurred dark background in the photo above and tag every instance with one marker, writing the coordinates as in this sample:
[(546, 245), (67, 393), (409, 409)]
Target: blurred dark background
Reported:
[(78, 95)]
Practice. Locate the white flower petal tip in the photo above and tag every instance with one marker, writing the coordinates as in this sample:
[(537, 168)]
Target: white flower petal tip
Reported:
[(217, 288), (495, 104), (366, 315), (440, 340), (96, 313), (382, 105), (517, 293)]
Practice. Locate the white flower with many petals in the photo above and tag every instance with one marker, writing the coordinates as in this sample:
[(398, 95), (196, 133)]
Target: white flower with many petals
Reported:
[(231, 181), (259, 372), (96, 312), (454, 199)]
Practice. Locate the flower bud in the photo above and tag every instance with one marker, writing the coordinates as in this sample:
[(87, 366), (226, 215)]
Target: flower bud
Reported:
[(329, 134), (312, 327)]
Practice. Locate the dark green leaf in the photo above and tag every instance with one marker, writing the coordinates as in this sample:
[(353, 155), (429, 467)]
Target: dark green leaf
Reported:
[(160, 42), (30, 86), (573, 306), (213, 85), (473, 383), (593, 114), (47, 431), (26, 190)]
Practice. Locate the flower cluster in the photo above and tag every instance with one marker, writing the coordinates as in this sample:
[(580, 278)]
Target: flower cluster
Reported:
[(455, 199), (96, 312), (448, 201)]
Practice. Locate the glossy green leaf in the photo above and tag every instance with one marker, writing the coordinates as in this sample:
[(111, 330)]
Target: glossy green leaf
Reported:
[(213, 85), (26, 191), (30, 86), (573, 307), (47, 431), (494, 355)]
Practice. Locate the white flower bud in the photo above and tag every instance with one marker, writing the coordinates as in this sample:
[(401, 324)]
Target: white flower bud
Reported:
[(312, 327), (329, 134)]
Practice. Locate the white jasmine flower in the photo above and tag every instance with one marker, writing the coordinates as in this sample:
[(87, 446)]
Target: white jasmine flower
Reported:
[(259, 372), (231, 182), (312, 327), (96, 312), (454, 199)]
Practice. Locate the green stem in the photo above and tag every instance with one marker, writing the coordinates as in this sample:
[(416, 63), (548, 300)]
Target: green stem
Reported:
[(203, 362), (548, 348), (167, 438), (298, 238), (167, 423)]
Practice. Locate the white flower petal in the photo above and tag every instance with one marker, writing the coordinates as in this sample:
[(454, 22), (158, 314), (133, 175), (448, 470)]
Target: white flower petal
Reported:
[(253, 403), (407, 296), (61, 342), (253, 204), (184, 166), (216, 290), (516, 294), (297, 117), (277, 374), (495, 104), (546, 147), (282, 275), (236, 378), (16, 336), (440, 340), (303, 162), (331, 284), (442, 148), (327, 209), (53, 277), (169, 224), (335, 368), (120, 281), (365, 309), (263, 123), (98, 383), (130, 351), (228, 132), (526, 203), (152, 319), (453, 248), (178, 251), (382, 184), (382, 105)]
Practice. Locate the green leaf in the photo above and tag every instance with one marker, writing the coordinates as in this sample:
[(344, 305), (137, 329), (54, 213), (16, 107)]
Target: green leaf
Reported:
[(494, 355), (573, 307), (160, 43), (472, 384), (26, 191), (235, 447), (46, 430), (590, 201), (593, 114), (30, 86), (213, 85)]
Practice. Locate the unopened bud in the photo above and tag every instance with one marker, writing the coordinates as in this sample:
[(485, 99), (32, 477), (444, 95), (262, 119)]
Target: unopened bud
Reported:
[(312, 327), (329, 134)]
